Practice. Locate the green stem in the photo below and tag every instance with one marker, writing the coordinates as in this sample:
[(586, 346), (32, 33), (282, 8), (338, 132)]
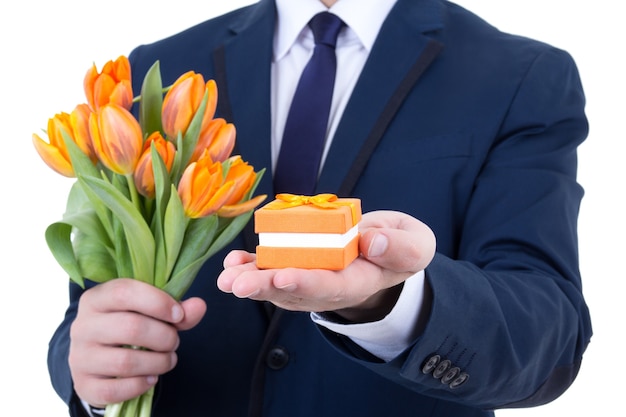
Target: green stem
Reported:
[(134, 195), (113, 410), (136, 407), (145, 403), (164, 90)]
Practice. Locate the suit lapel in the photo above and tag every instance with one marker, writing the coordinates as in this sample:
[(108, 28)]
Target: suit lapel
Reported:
[(242, 66), (380, 90)]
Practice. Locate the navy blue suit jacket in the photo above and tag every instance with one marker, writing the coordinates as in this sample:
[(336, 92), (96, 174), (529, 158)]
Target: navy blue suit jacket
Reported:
[(471, 130)]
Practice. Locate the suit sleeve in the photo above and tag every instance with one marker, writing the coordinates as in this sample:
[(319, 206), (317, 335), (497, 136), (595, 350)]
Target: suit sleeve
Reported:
[(58, 353), (508, 323)]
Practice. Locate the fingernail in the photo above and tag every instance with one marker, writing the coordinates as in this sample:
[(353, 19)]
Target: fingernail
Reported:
[(288, 288), (177, 313), (152, 379), (252, 294), (378, 245)]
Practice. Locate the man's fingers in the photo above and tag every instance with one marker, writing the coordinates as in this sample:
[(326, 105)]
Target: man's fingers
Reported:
[(132, 295), (121, 361), (126, 328), (107, 375), (238, 257), (101, 392)]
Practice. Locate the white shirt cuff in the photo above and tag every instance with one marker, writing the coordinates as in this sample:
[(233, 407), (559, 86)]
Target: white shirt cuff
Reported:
[(389, 337), (90, 411)]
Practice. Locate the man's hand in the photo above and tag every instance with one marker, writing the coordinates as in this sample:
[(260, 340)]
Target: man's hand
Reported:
[(393, 247), (118, 314)]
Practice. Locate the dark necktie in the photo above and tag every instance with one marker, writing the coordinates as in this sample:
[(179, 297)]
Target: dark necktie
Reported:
[(305, 130)]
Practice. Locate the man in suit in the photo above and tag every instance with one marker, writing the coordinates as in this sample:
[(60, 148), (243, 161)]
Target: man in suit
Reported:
[(445, 128)]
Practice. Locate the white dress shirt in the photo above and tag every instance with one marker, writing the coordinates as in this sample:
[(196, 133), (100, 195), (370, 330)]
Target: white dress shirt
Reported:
[(293, 46)]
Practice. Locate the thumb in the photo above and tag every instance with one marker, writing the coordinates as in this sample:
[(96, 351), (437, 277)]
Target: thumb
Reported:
[(193, 310), (398, 250)]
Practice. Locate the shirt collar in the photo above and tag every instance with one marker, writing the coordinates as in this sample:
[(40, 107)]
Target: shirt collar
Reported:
[(363, 17)]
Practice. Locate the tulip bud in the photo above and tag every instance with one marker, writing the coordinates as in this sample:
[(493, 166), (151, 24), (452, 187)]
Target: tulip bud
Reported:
[(144, 174), (79, 120), (111, 85), (54, 153), (243, 177), (218, 138), (116, 137), (183, 100), (202, 189)]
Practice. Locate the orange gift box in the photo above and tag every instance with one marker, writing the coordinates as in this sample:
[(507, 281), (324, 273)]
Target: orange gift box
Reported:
[(308, 232)]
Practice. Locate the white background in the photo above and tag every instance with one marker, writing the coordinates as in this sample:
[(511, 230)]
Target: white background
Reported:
[(45, 49)]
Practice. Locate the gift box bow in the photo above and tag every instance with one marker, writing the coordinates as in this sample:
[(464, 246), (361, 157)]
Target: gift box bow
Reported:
[(322, 201)]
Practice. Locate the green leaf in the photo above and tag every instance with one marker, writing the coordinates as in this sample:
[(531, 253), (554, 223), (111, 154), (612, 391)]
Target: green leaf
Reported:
[(162, 183), (88, 223), (177, 167), (120, 183), (137, 233), (81, 163), (201, 248), (182, 280), (58, 238), (198, 237), (151, 100), (233, 227), (122, 253), (174, 227), (192, 134), (163, 190), (83, 167), (77, 200), (185, 145), (96, 260), (80, 191), (93, 248)]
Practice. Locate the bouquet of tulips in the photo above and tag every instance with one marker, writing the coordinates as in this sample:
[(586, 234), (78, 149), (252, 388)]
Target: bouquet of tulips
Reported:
[(155, 195)]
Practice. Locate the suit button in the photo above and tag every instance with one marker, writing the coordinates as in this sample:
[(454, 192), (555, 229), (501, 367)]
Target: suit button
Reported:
[(459, 380), (277, 358), (430, 364), (442, 368), (450, 375)]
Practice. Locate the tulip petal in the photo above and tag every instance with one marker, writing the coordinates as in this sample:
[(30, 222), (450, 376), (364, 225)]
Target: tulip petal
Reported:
[(79, 120), (53, 157), (239, 209), (111, 85), (117, 138), (224, 143)]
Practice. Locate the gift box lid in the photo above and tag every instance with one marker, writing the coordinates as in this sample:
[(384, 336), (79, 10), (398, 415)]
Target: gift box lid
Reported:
[(301, 214)]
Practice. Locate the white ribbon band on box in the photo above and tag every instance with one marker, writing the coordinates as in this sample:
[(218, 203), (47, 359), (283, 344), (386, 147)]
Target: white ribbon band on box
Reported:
[(308, 240)]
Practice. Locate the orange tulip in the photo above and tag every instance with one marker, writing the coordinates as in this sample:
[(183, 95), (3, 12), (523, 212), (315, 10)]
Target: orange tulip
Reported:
[(218, 138), (117, 138), (202, 188), (54, 153), (144, 175), (111, 85), (79, 119), (183, 100), (243, 177)]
